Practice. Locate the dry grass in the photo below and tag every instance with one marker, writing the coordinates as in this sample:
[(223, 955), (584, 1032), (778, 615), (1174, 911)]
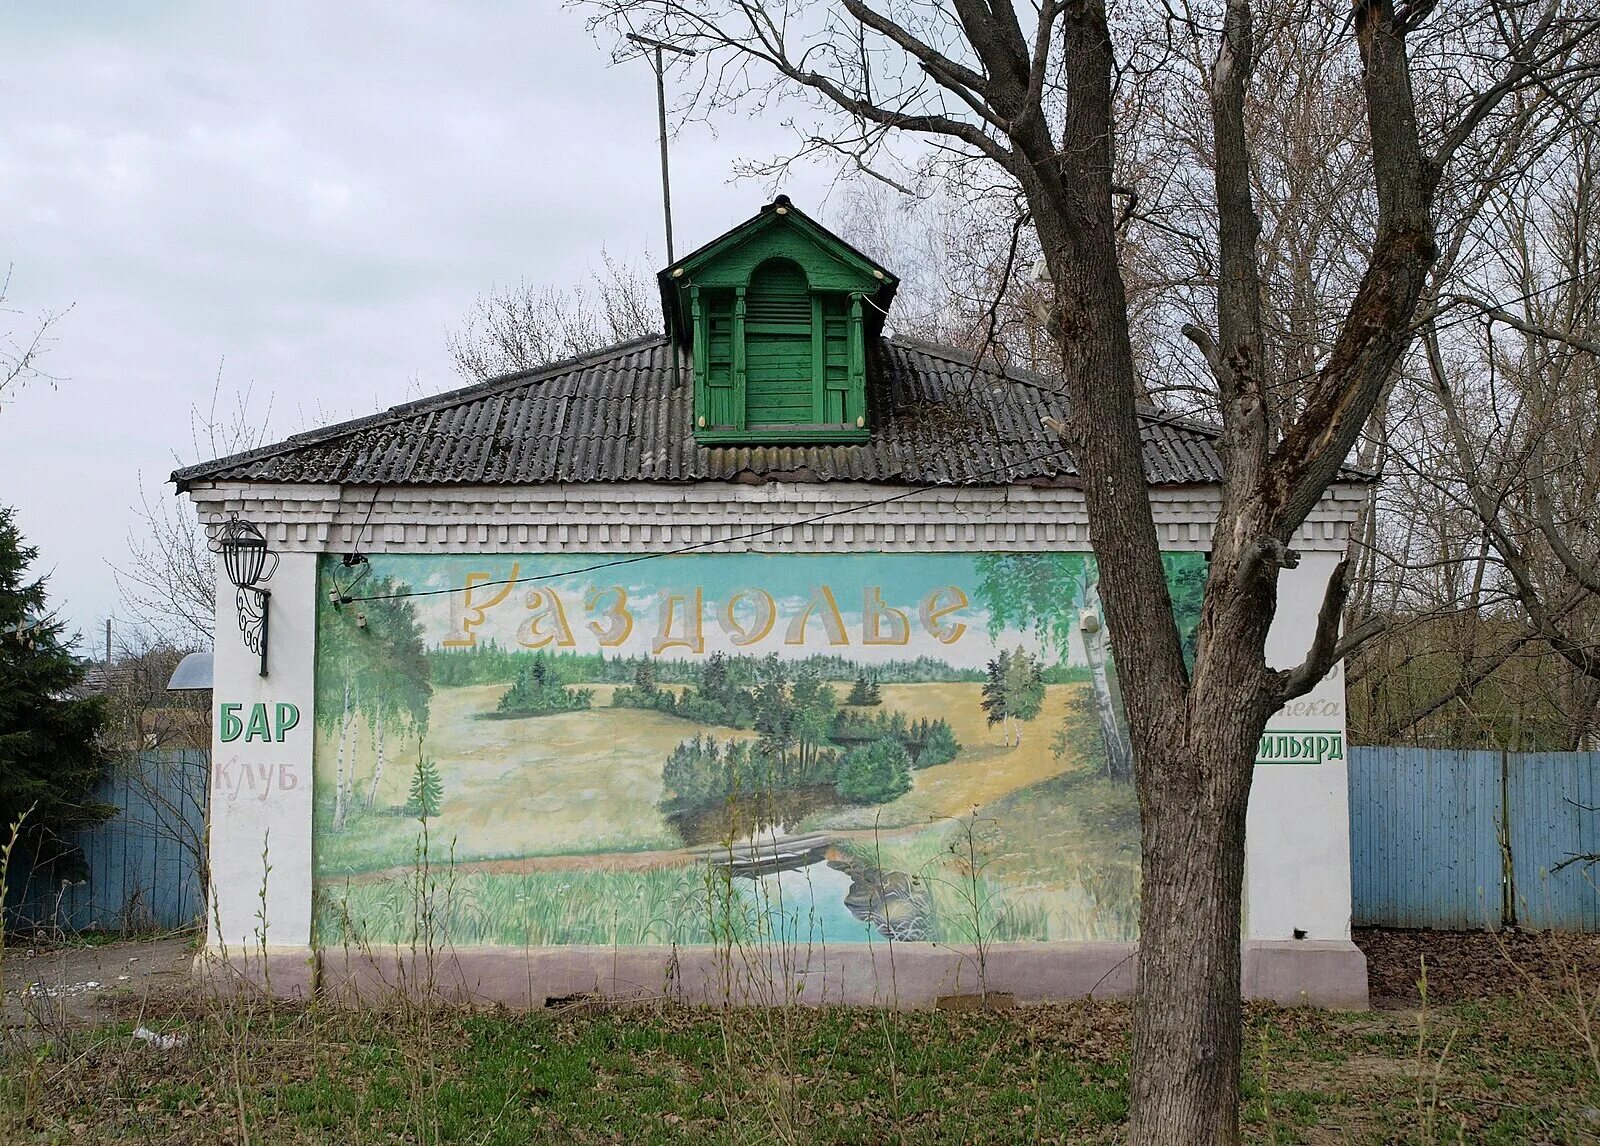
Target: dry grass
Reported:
[(1491, 1071)]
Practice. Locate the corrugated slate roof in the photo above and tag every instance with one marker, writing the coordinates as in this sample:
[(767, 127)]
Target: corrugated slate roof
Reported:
[(620, 414)]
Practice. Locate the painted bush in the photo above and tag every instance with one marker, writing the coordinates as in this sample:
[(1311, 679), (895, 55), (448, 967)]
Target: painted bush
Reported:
[(706, 748)]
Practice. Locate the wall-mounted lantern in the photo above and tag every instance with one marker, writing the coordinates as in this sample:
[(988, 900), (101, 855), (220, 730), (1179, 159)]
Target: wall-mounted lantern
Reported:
[(245, 557)]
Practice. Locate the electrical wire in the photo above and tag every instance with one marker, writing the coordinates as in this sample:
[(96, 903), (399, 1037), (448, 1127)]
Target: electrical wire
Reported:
[(1158, 417), (698, 545)]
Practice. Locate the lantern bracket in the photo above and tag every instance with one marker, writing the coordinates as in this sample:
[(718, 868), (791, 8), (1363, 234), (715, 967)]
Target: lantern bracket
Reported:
[(245, 558), (254, 615)]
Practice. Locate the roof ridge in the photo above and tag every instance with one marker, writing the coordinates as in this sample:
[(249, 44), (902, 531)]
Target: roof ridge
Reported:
[(469, 393)]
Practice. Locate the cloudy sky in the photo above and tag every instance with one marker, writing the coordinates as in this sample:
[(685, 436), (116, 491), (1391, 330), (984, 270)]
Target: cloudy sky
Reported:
[(309, 196)]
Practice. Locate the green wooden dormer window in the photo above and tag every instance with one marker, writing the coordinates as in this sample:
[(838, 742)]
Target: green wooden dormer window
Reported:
[(777, 315)]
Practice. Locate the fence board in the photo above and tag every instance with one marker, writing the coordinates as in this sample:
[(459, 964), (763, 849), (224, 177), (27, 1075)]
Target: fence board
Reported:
[(1551, 821), (1425, 847), (143, 869)]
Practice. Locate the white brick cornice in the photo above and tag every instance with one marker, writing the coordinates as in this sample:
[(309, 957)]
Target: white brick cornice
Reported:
[(592, 517)]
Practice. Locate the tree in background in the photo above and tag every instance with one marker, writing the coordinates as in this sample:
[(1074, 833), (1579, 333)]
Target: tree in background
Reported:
[(528, 326), (51, 753), (539, 691), (427, 789), (373, 671), (864, 693), (1482, 546), (813, 705), (1024, 690), (644, 679), (169, 584), (932, 742), (1013, 692), (994, 690), (775, 713), (398, 690), (1055, 594), (20, 353)]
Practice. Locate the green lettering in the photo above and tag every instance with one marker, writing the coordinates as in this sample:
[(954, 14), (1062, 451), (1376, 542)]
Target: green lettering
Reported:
[(258, 728), (287, 717), (228, 722)]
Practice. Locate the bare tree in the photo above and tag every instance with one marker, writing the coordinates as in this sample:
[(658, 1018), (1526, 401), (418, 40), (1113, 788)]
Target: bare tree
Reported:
[(168, 585), (526, 326), (20, 353), (1484, 542), (1033, 98)]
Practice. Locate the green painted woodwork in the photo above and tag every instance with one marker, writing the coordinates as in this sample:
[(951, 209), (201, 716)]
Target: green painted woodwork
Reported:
[(777, 313)]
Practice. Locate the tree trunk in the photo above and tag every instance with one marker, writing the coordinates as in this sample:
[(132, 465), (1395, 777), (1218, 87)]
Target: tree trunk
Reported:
[(1186, 1037), (377, 767), (1119, 755), (341, 765)]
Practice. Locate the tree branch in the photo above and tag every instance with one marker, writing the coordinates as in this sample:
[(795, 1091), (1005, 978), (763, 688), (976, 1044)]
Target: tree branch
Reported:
[(1326, 649)]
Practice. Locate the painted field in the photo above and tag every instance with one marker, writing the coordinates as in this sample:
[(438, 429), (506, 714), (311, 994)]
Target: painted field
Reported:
[(984, 771), (549, 785), (589, 782)]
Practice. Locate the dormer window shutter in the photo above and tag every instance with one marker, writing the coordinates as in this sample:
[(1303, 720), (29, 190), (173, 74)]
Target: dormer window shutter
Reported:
[(779, 356)]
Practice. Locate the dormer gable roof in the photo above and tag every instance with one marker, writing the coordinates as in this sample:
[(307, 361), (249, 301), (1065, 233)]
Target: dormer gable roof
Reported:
[(778, 230)]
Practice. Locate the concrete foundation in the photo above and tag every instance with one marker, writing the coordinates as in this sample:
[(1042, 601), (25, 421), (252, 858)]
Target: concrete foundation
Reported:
[(1321, 973)]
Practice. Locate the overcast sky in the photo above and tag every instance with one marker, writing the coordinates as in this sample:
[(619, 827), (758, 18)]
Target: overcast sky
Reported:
[(311, 195)]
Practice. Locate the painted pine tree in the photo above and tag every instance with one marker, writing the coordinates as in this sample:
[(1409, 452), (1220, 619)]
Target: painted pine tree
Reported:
[(994, 693), (427, 789)]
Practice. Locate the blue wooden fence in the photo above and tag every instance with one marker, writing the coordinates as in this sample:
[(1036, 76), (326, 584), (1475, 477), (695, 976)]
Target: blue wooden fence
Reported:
[(1459, 839), (143, 863)]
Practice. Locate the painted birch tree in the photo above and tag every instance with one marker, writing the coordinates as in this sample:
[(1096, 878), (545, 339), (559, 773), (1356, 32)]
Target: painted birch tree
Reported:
[(396, 673), (1054, 594), (372, 671)]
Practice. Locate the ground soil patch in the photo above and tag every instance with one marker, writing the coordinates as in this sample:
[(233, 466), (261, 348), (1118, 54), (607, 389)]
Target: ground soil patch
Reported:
[(1463, 965)]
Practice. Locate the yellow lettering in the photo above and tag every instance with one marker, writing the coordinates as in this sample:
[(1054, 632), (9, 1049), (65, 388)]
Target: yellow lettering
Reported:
[(465, 615), (875, 614), (939, 604), (695, 641), (546, 606), (766, 614), (620, 620), (821, 599)]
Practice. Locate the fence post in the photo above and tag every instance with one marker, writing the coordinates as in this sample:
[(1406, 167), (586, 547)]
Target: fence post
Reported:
[(1508, 874)]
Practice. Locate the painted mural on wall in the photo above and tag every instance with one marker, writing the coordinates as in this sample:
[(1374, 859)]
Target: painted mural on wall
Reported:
[(711, 748)]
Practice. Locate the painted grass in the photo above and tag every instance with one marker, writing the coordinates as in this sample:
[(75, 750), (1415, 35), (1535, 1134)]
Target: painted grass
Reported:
[(967, 907), (549, 785), (1070, 846), (1059, 850), (1057, 860), (682, 905)]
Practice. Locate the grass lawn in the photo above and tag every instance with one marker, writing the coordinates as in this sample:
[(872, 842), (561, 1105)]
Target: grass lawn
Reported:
[(1503, 1069)]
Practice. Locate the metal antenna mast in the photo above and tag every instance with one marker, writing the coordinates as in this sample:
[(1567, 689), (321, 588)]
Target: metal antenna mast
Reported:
[(657, 47)]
